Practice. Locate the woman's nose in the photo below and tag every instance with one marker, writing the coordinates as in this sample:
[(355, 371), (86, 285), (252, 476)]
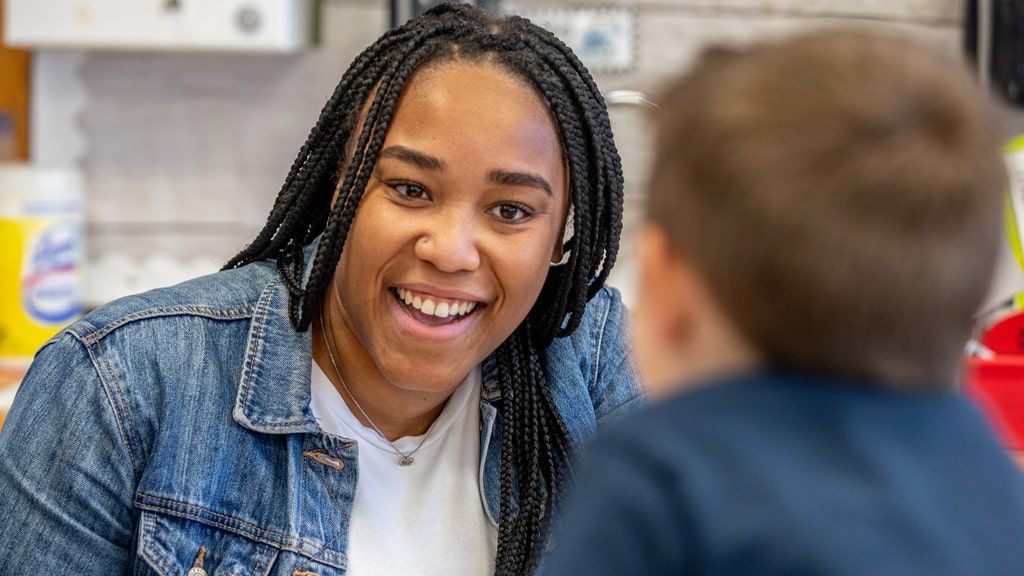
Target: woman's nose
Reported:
[(449, 242)]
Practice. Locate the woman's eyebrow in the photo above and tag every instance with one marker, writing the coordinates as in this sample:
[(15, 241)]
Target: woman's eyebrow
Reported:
[(403, 154), (508, 178), (428, 162)]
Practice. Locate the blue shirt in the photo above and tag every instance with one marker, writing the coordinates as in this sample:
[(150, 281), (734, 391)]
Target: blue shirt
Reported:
[(783, 475), (179, 419)]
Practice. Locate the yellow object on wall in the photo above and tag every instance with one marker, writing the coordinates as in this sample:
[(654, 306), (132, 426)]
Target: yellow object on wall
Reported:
[(1013, 153), (40, 255)]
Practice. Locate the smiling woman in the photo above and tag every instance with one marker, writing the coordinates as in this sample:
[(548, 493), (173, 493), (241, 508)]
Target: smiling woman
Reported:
[(392, 378)]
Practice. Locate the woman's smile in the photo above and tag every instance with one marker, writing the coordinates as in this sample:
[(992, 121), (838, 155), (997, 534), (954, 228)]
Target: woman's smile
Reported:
[(434, 310)]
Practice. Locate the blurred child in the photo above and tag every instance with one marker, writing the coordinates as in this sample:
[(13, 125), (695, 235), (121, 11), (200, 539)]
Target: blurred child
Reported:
[(823, 222)]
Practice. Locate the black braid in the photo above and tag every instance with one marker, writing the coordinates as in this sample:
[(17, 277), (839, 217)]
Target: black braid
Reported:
[(535, 445), (531, 420)]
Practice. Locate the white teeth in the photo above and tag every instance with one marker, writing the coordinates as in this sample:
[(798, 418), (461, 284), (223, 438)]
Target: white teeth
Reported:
[(428, 306)]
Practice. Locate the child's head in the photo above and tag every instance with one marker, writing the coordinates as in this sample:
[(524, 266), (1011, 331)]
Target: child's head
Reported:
[(834, 198)]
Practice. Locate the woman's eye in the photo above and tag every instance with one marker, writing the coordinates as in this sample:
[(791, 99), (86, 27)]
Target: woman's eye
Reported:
[(511, 213), (411, 191)]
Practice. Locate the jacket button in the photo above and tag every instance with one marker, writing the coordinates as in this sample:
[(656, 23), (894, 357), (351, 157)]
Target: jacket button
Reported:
[(197, 566)]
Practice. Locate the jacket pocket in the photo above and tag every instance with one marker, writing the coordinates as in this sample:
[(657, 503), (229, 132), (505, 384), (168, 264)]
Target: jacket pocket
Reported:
[(171, 545)]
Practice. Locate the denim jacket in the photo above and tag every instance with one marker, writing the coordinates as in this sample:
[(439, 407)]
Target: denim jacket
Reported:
[(172, 429)]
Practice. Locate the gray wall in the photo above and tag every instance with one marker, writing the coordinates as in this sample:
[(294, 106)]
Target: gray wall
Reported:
[(184, 153)]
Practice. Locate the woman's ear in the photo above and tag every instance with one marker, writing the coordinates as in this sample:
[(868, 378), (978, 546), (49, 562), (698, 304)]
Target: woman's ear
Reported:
[(558, 253)]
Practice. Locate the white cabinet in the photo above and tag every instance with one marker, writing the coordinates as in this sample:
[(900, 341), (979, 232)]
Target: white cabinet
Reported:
[(231, 25)]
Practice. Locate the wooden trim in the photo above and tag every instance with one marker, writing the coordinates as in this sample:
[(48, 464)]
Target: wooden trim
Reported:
[(10, 378), (14, 96)]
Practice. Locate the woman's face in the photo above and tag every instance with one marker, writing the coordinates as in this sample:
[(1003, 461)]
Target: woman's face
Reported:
[(455, 232)]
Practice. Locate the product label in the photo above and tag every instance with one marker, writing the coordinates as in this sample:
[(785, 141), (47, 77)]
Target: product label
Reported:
[(49, 279)]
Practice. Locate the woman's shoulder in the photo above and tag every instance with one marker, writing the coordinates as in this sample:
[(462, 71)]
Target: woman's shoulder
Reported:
[(594, 365), (222, 295), (605, 322)]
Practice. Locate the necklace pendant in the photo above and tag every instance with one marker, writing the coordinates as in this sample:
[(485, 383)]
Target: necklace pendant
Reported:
[(405, 461)]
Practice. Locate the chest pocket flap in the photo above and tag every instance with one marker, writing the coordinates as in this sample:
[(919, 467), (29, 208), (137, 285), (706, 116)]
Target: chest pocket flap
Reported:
[(171, 545)]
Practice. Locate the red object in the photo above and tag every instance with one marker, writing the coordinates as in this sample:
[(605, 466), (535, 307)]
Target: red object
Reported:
[(997, 383)]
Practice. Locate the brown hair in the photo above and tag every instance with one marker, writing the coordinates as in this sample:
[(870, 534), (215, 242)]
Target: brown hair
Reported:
[(841, 193)]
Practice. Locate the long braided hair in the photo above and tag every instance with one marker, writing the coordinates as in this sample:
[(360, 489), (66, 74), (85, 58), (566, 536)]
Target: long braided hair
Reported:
[(534, 440)]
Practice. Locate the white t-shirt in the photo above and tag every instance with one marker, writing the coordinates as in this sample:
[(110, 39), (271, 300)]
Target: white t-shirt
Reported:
[(424, 519)]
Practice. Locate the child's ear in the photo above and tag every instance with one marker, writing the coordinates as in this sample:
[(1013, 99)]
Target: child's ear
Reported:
[(666, 288), (670, 323), (682, 333)]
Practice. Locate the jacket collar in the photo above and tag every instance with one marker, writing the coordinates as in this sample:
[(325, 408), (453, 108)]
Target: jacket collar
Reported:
[(273, 391)]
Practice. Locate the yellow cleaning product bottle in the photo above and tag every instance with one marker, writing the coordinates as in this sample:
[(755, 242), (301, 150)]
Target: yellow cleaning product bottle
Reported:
[(40, 257)]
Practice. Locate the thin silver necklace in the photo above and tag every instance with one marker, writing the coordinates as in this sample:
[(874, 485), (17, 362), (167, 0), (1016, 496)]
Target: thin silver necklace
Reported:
[(404, 459)]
